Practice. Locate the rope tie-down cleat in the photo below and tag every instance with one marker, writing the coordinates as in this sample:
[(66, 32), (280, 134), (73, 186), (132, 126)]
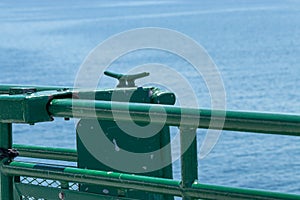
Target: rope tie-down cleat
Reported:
[(126, 80)]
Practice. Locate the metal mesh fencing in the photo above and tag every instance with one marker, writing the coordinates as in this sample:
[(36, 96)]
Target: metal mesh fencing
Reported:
[(46, 183)]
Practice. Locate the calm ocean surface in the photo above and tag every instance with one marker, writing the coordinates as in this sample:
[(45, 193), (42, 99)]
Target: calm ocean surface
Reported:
[(254, 43)]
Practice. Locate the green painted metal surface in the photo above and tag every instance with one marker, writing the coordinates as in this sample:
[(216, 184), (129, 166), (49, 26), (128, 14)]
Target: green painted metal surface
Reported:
[(31, 104), (151, 184), (53, 193), (4, 89), (29, 107), (112, 179), (218, 192), (123, 140), (47, 152), (126, 80), (270, 123), (138, 95), (6, 182), (189, 171)]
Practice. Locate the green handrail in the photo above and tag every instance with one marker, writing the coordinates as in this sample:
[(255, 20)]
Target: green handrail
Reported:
[(282, 124), (145, 183), (188, 187), (51, 153)]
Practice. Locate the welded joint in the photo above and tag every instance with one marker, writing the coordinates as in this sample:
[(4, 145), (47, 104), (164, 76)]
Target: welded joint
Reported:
[(27, 106)]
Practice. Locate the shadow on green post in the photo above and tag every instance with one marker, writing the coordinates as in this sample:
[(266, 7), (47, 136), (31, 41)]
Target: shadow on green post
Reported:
[(6, 182), (189, 162)]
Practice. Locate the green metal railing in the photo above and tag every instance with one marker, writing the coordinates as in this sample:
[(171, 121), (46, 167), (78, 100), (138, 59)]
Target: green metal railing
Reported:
[(282, 124), (13, 186)]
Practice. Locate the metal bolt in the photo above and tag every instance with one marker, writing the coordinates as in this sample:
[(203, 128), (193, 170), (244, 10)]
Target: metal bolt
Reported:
[(105, 191), (61, 196)]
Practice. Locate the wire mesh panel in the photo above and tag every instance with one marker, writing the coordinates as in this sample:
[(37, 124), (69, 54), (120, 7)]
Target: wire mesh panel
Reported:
[(44, 183), (40, 182), (30, 188), (48, 183), (74, 186), (30, 198)]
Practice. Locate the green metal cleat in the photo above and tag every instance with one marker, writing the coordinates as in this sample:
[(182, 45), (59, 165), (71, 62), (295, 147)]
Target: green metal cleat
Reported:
[(126, 80)]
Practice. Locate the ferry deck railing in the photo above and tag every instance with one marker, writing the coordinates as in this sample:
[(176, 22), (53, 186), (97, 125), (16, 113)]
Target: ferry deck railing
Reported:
[(15, 184)]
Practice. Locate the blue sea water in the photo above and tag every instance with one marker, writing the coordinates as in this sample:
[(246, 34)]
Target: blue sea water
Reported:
[(254, 43)]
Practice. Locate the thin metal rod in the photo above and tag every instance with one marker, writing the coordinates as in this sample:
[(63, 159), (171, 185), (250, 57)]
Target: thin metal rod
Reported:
[(47, 152), (4, 89), (282, 124), (206, 191)]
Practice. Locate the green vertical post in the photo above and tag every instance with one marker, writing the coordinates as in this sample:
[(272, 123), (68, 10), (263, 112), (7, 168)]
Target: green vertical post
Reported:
[(189, 161), (64, 185), (6, 182)]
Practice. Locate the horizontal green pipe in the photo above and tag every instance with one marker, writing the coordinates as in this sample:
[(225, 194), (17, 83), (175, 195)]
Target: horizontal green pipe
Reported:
[(47, 152), (150, 184), (283, 124), (4, 89), (219, 192)]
